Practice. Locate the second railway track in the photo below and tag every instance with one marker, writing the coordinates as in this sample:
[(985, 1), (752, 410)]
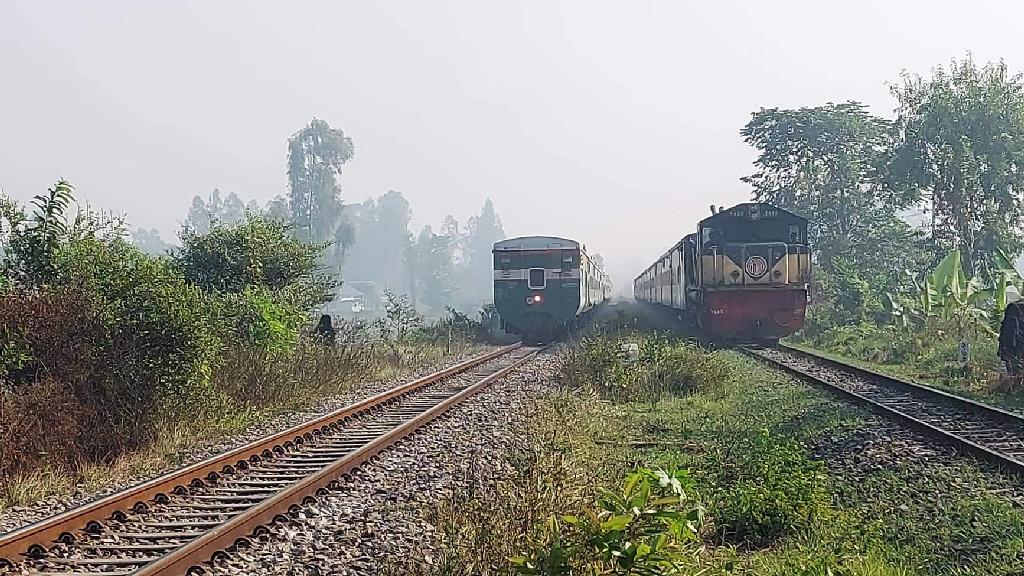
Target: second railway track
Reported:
[(174, 524), (989, 433)]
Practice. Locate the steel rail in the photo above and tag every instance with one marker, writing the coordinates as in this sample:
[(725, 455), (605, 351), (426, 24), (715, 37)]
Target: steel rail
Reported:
[(238, 529), (896, 385), (36, 538)]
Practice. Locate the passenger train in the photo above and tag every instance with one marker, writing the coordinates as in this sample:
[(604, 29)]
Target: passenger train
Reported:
[(743, 276), (543, 284)]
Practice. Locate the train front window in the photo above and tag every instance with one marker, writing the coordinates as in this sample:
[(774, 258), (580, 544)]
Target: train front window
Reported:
[(535, 280)]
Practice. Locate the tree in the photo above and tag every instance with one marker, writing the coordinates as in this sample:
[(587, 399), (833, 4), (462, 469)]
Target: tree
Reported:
[(150, 242), (827, 163), (199, 217), (256, 254), (433, 270), (380, 241), (277, 209), (315, 157), (233, 210), (482, 231), (33, 241), (961, 143)]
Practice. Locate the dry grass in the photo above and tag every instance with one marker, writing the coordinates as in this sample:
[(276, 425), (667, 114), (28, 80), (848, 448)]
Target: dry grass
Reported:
[(246, 387), (555, 473)]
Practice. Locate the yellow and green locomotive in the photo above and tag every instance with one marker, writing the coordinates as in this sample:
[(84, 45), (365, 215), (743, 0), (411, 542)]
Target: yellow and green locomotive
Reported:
[(744, 275), (543, 284)]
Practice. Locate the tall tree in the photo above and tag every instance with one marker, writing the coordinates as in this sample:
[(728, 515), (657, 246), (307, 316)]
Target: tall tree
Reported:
[(233, 210), (316, 155), (435, 283), (827, 163), (380, 241), (961, 143), (277, 209), (482, 231), (198, 218)]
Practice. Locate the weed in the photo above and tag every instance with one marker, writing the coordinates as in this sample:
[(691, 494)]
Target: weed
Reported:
[(769, 490)]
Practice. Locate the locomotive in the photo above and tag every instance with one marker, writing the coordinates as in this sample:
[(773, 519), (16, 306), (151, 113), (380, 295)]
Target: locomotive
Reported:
[(743, 276), (543, 284)]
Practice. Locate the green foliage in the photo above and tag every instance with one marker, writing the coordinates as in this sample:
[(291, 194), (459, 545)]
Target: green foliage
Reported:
[(650, 527), (260, 318), (256, 254), (401, 318), (601, 363), (947, 296), (772, 490), (827, 163), (959, 144), (160, 347), (33, 241)]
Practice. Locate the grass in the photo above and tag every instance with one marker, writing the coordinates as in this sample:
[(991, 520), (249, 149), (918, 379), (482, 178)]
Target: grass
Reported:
[(250, 387), (748, 439), (928, 357)]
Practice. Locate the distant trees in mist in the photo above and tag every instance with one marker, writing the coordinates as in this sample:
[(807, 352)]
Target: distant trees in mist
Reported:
[(364, 242)]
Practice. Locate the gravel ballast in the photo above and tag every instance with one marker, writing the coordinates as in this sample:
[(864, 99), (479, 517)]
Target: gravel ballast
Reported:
[(377, 517)]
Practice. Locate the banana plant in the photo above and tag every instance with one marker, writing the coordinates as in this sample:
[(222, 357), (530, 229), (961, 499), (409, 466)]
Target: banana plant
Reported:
[(946, 294)]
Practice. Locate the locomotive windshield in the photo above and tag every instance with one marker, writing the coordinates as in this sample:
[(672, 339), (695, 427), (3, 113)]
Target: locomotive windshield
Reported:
[(746, 225)]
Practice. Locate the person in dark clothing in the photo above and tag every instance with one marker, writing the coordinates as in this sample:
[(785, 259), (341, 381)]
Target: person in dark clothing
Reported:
[(1011, 334), (325, 330)]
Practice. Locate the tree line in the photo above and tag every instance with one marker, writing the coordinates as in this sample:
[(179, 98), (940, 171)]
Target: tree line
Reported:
[(362, 242), (890, 198)]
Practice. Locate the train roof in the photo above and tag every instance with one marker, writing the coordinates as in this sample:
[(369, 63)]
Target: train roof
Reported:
[(751, 211), (536, 243)]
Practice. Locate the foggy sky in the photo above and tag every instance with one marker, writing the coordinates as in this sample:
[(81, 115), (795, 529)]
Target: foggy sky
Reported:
[(614, 123)]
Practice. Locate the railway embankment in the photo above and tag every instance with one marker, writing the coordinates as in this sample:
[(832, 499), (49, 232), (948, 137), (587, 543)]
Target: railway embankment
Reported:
[(778, 477)]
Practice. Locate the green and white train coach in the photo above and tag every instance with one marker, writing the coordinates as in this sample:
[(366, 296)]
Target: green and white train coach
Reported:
[(544, 284)]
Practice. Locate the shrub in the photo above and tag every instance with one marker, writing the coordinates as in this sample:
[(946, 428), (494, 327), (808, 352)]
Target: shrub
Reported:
[(259, 318), (157, 349), (650, 526), (600, 362), (44, 422), (258, 253), (771, 490)]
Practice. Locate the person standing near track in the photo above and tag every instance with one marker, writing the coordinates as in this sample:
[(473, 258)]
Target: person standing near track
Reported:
[(1011, 334), (325, 330)]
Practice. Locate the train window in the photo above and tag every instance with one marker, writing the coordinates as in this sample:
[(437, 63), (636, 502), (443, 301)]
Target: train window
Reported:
[(506, 262), (794, 234), (536, 279)]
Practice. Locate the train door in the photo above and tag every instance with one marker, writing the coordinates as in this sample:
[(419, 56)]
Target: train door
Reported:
[(691, 281)]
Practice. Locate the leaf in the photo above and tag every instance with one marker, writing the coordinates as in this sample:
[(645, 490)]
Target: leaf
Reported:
[(616, 523)]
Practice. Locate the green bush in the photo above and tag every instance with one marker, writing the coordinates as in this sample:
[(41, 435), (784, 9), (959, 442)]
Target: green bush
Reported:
[(772, 490), (158, 348), (259, 318), (258, 253), (600, 363), (651, 526)]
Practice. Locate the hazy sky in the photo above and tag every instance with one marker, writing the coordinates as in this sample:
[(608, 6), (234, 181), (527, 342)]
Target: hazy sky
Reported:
[(615, 123)]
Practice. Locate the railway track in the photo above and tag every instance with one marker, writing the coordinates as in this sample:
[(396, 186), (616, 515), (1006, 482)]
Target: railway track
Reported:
[(989, 433), (176, 523)]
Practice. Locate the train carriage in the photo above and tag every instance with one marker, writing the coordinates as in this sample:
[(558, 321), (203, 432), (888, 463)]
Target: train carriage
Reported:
[(542, 284), (743, 276)]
